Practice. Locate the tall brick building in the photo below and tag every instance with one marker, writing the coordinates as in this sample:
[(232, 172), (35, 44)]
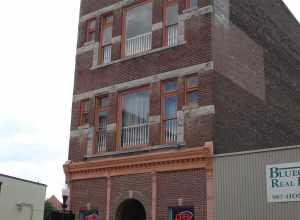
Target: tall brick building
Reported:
[(164, 86)]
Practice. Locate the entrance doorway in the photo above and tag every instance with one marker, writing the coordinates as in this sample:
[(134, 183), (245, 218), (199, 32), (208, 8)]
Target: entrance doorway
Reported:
[(131, 209)]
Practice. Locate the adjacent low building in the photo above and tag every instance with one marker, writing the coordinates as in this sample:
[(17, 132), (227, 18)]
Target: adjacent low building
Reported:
[(21, 199)]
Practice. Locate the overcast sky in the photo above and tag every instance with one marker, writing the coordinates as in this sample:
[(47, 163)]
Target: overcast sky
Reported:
[(38, 44)]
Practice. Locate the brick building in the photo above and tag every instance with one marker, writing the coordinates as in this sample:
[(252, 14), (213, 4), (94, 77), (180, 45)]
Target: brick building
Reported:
[(163, 85)]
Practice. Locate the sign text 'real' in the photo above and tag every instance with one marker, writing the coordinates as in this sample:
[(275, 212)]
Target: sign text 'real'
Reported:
[(283, 182)]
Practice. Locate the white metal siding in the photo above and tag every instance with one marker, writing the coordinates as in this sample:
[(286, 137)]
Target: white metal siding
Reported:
[(240, 187)]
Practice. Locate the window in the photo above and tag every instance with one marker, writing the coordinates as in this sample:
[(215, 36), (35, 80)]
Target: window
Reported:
[(192, 4), (192, 90), (171, 23), (134, 118), (101, 119), (90, 32), (138, 28), (84, 112), (169, 112), (106, 38)]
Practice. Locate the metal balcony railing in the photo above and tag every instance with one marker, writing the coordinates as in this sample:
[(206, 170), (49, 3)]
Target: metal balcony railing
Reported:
[(107, 54), (172, 32), (101, 141), (138, 44), (135, 135), (170, 130), (102, 134)]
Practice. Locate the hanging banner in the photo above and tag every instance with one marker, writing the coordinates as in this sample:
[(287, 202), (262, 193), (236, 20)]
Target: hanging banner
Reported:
[(283, 182)]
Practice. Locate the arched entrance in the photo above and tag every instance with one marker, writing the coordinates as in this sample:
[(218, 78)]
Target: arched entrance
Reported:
[(131, 209)]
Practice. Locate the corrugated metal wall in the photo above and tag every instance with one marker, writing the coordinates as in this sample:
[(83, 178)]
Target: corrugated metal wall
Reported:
[(240, 187)]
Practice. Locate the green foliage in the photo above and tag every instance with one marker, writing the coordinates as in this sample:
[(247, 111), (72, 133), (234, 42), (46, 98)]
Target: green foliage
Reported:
[(48, 210)]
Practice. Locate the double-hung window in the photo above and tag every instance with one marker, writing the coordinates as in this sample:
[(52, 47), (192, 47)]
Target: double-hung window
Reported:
[(84, 111), (134, 113), (171, 23), (101, 119), (90, 31), (169, 111), (138, 28), (192, 95), (106, 39)]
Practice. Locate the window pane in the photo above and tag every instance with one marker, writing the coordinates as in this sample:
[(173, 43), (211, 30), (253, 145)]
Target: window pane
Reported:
[(104, 102), (108, 19), (102, 120), (85, 118), (172, 14), (107, 35), (139, 20), (192, 82), (170, 86), (194, 3), (135, 108), (193, 97), (92, 24), (91, 36), (85, 106), (170, 107), (135, 115)]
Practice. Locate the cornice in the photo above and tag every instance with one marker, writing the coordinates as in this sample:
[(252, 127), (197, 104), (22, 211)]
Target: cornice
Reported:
[(182, 159)]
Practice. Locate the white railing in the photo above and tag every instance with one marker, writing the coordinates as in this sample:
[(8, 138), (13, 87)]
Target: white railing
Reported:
[(135, 135), (102, 134), (138, 44), (101, 141), (107, 54), (172, 32), (171, 130)]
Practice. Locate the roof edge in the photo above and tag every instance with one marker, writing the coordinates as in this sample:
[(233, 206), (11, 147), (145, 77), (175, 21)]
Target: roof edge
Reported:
[(23, 180)]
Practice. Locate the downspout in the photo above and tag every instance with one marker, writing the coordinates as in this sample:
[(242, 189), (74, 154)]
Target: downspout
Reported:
[(21, 205)]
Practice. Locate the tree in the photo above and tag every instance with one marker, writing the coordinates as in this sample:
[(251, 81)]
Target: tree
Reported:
[(48, 210)]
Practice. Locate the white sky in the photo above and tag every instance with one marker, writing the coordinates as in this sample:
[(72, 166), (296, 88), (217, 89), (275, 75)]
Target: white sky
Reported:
[(37, 60)]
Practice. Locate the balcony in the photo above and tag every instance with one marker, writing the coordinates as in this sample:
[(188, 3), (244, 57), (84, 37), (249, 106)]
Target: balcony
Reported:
[(138, 44)]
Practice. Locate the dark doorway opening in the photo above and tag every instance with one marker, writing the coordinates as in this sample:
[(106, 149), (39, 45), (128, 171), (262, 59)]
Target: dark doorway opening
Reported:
[(131, 209)]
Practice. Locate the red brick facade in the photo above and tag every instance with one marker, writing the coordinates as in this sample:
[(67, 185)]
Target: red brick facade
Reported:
[(186, 187), (97, 180)]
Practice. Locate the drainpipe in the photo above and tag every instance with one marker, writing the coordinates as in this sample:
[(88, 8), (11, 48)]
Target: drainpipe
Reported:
[(21, 205)]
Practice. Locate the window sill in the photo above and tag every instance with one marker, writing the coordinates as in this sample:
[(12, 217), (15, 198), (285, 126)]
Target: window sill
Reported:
[(84, 126), (88, 43), (190, 10), (135, 151), (137, 55), (190, 106)]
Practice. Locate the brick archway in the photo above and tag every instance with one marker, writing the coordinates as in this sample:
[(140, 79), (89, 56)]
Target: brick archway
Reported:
[(131, 195), (131, 209)]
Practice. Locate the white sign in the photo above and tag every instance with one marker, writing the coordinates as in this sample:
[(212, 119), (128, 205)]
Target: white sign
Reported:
[(283, 182)]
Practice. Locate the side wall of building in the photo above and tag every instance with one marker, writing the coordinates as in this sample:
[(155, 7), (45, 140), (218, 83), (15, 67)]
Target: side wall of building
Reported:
[(240, 186), (15, 192), (257, 63)]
